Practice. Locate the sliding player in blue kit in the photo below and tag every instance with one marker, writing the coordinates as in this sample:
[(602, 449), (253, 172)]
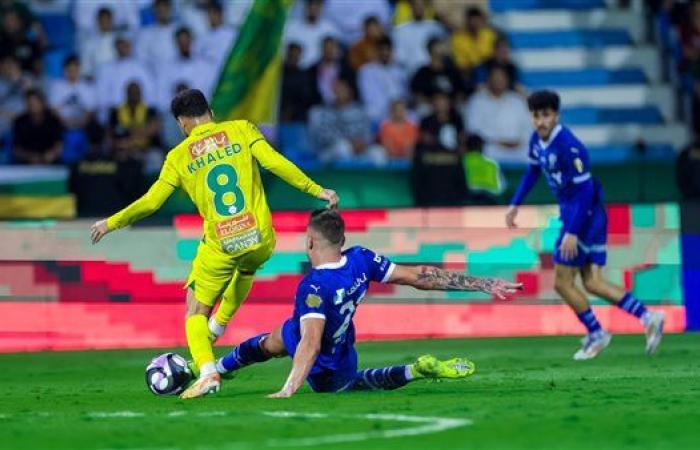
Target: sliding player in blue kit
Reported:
[(582, 245), (320, 336)]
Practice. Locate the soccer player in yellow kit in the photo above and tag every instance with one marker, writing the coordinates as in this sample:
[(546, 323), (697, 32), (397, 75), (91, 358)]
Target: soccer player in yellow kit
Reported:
[(217, 165)]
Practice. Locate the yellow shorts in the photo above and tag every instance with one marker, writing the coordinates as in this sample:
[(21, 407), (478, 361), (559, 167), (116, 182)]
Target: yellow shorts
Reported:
[(212, 270)]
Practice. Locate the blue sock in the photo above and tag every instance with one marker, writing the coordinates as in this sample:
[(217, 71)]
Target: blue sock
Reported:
[(589, 320), (632, 305), (246, 353), (387, 378)]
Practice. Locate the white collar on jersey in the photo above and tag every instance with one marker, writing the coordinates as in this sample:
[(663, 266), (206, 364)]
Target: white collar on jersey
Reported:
[(552, 136), (335, 265)]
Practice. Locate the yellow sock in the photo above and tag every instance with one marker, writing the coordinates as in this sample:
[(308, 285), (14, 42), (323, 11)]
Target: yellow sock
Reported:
[(197, 332), (233, 297)]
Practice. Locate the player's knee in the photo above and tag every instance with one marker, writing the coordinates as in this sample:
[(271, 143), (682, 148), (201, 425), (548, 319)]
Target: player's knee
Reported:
[(273, 346), (563, 284), (593, 285)]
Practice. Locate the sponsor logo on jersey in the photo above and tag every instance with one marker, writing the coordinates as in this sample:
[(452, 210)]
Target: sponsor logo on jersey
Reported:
[(235, 225), (359, 281), (313, 301), (208, 144), (242, 241), (578, 164)]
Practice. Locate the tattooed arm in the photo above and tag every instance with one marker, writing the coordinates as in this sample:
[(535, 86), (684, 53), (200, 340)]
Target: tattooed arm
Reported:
[(430, 278)]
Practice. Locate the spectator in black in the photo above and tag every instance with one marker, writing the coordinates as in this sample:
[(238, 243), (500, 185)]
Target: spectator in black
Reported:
[(438, 175), (439, 76), (38, 133), (502, 58), (297, 87), (688, 172), (330, 68), (14, 40)]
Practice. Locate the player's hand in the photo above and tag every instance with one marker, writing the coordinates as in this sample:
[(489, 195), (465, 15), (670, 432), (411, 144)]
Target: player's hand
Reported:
[(284, 393), (511, 214), (98, 230), (503, 289), (331, 197), (569, 247)]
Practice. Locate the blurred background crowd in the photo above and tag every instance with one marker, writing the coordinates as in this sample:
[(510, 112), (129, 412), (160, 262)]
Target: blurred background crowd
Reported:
[(427, 85)]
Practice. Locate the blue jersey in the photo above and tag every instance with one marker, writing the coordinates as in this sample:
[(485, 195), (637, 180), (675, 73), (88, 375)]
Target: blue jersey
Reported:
[(564, 162), (333, 292)]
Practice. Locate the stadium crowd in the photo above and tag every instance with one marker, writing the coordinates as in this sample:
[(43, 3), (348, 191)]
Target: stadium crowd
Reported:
[(369, 79)]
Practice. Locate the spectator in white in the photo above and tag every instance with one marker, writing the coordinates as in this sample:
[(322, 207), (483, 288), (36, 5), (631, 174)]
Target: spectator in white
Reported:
[(98, 48), (236, 12), (215, 42), (126, 14), (73, 98), (112, 78), (341, 131), (184, 69), (38, 133), (411, 38), (381, 82), (309, 32), (349, 16), (155, 43), (501, 118), (330, 68), (13, 84), (194, 14), (440, 75)]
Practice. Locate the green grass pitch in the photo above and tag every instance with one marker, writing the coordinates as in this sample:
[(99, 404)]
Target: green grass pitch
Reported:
[(527, 393)]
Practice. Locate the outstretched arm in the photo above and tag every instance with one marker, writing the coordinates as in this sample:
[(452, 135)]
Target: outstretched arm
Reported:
[(430, 278), (149, 203), (305, 356), (273, 161)]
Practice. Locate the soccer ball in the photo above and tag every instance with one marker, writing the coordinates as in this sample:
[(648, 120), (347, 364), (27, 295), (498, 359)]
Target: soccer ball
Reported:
[(168, 374)]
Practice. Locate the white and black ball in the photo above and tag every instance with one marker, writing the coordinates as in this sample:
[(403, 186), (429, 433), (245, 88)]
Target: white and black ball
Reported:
[(168, 374)]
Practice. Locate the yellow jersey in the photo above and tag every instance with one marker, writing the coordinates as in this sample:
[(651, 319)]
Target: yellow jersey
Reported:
[(217, 166)]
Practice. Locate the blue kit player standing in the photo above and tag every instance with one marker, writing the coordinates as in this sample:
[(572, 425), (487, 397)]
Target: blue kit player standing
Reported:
[(582, 245), (320, 336)]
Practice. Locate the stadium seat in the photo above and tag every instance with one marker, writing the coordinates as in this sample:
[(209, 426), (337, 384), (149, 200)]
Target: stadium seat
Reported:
[(60, 31)]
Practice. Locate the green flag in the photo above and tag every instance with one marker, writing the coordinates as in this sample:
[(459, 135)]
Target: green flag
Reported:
[(249, 83)]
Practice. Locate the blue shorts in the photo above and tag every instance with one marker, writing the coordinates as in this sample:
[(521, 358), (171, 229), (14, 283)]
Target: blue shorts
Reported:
[(334, 373), (592, 241)]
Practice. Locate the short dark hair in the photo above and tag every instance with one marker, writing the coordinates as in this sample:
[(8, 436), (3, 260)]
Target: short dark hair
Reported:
[(189, 103), (105, 11), (541, 100), (432, 42), (216, 6), (33, 92), (385, 41), (474, 11), (183, 30), (70, 59), (370, 20), (330, 224)]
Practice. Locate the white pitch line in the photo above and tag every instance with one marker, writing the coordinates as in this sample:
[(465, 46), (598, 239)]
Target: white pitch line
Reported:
[(430, 425), (116, 414)]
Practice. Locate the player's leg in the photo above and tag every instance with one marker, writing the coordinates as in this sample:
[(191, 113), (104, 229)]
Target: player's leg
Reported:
[(565, 284), (595, 282), (239, 287), (257, 349), (197, 332), (427, 366), (211, 273)]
